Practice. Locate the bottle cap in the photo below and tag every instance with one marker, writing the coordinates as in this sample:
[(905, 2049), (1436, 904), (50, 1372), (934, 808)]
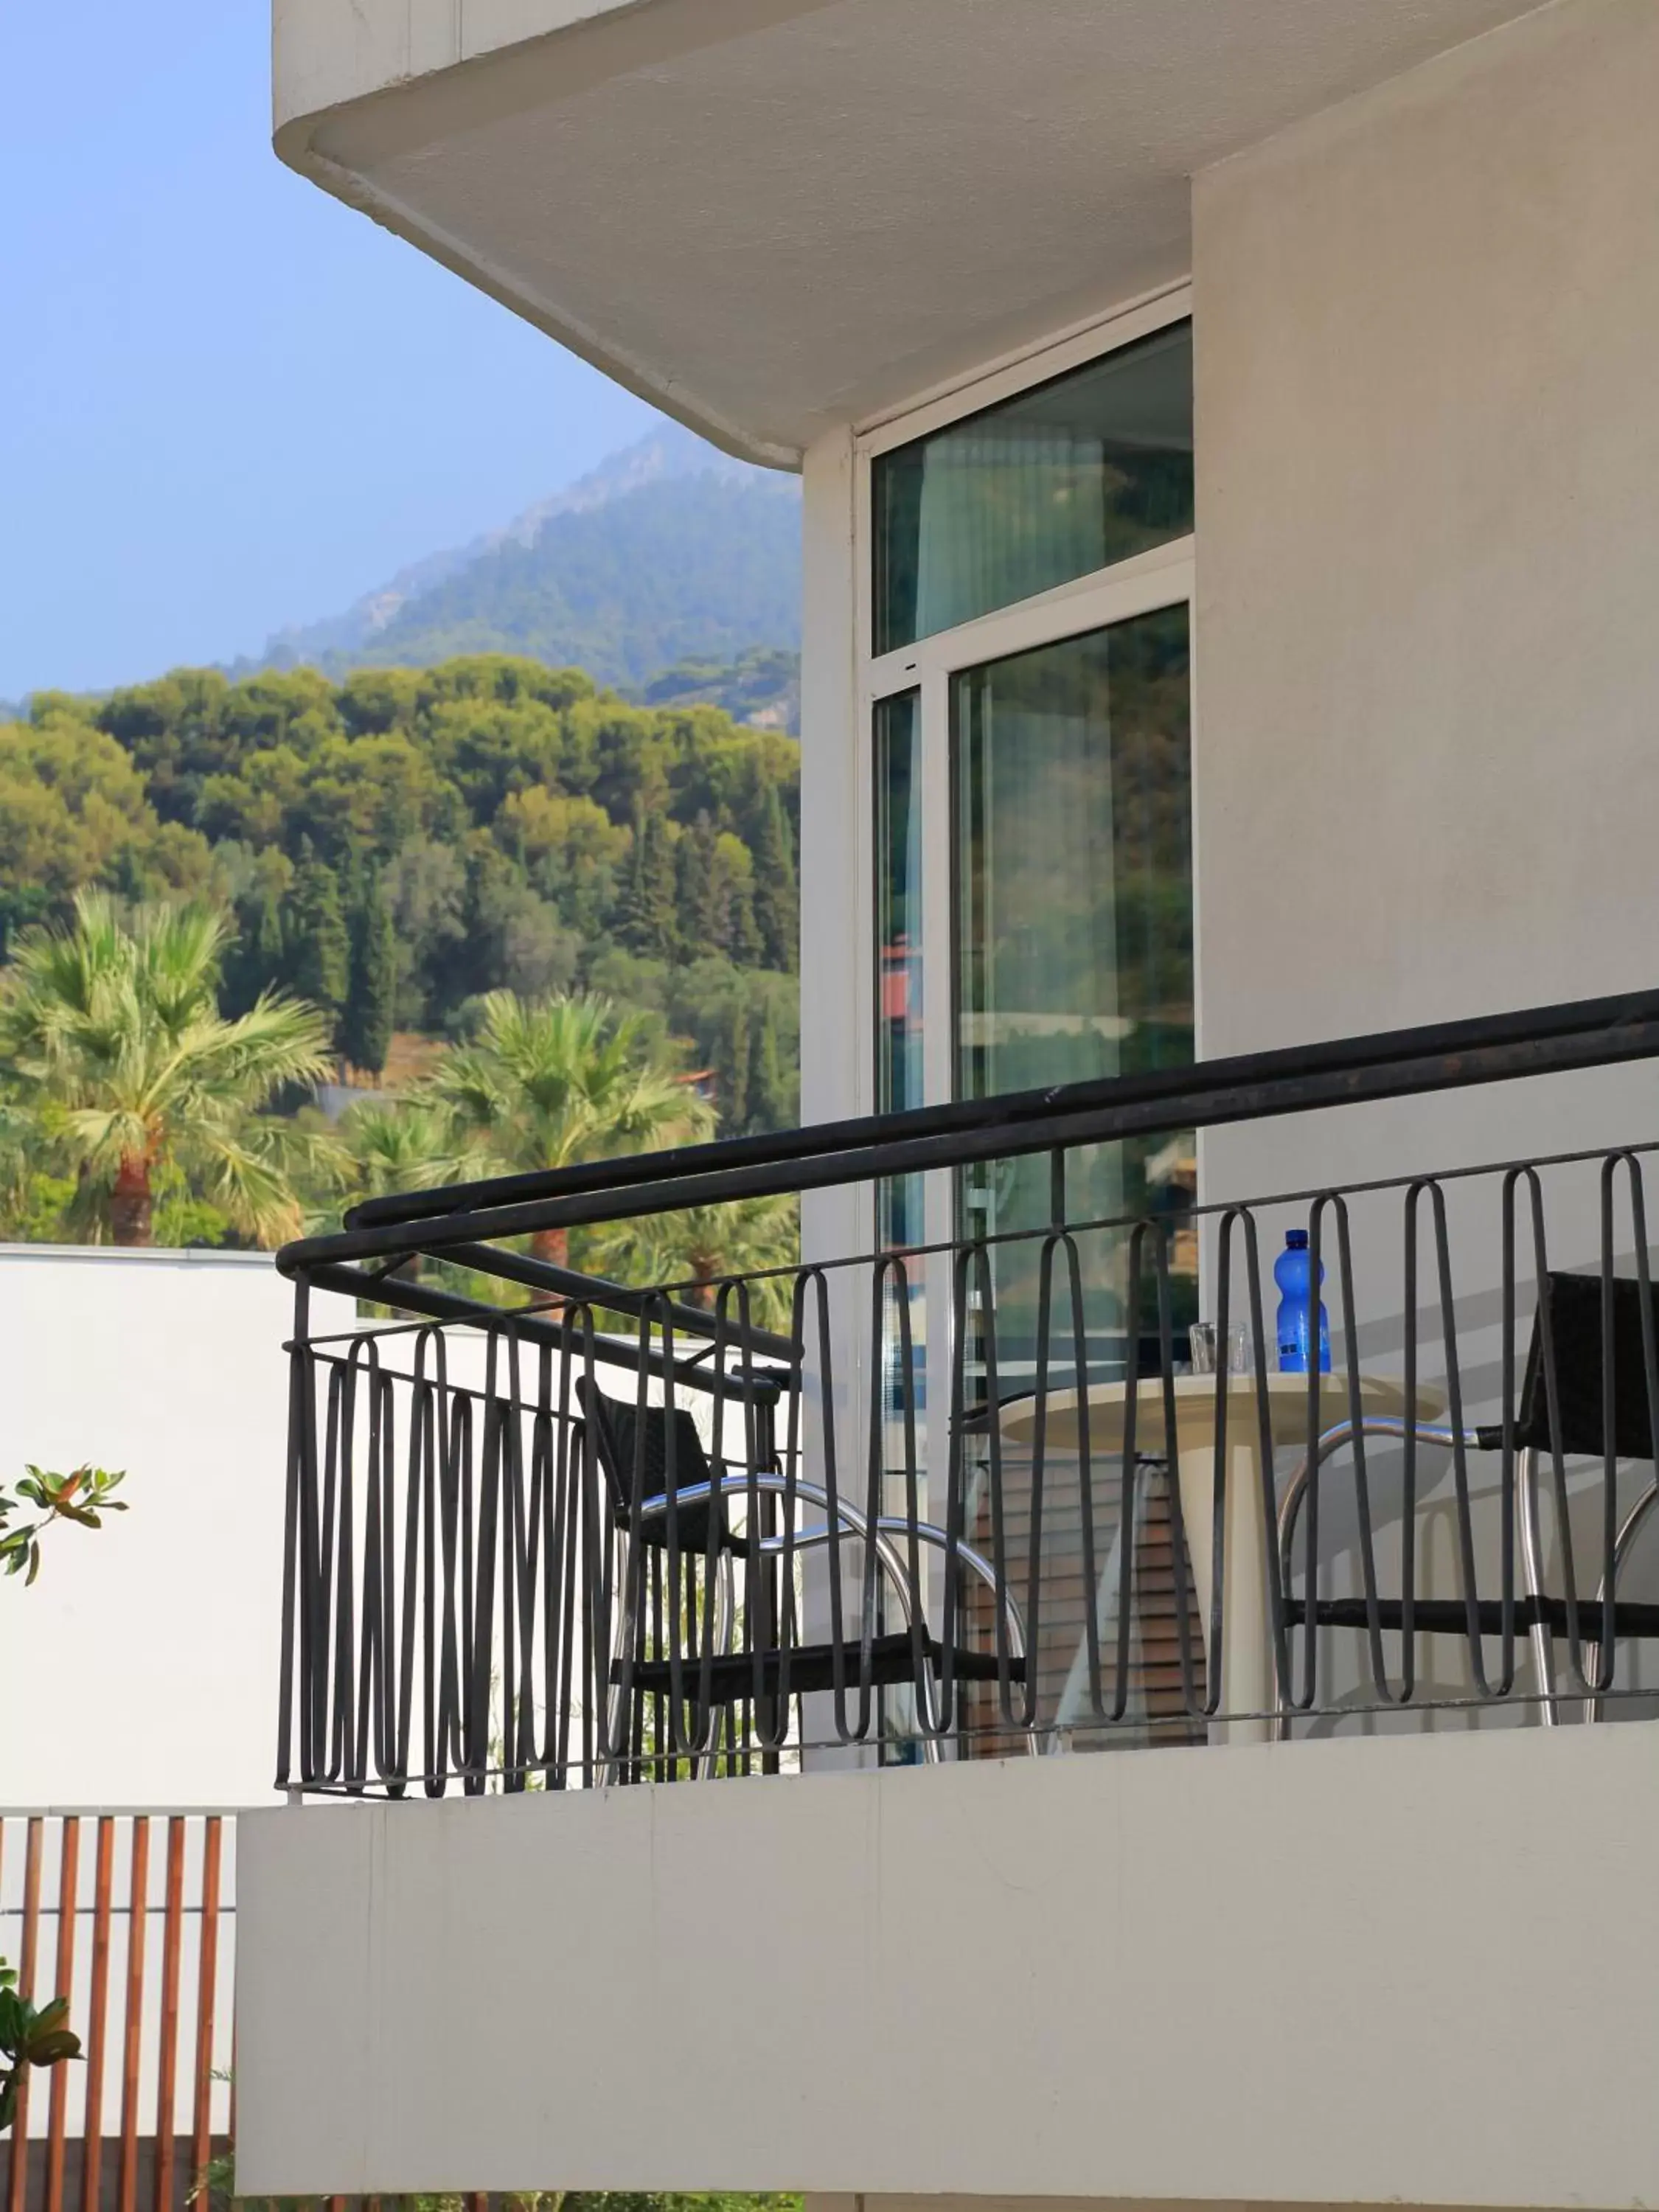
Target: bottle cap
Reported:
[(1296, 1240)]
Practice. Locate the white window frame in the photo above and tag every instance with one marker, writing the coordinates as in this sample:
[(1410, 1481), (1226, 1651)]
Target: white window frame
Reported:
[(1163, 576)]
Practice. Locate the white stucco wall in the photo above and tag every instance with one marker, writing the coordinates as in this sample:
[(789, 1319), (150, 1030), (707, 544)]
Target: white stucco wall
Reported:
[(142, 1668), (1416, 1971), (1427, 729)]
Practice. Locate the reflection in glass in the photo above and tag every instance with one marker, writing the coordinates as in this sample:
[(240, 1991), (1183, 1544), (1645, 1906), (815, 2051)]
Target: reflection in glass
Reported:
[(1073, 794), (898, 940), (1084, 470), (899, 1079)]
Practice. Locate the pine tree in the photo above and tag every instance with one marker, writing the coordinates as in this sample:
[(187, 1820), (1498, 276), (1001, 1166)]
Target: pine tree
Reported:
[(319, 945), (366, 1025), (776, 905)]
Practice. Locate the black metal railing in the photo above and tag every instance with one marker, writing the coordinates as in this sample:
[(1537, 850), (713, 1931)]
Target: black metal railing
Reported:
[(966, 1501)]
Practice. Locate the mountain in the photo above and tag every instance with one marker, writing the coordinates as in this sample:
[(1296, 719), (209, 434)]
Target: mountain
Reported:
[(668, 553)]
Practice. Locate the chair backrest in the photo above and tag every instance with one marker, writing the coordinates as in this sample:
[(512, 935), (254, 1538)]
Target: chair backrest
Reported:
[(1575, 1330), (623, 1432)]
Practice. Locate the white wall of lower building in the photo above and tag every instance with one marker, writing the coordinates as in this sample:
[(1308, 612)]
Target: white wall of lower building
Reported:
[(142, 1668)]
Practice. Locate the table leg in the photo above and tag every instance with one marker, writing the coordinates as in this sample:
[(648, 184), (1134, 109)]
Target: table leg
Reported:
[(1246, 1655)]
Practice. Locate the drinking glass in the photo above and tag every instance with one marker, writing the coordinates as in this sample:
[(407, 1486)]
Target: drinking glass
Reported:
[(1202, 1337)]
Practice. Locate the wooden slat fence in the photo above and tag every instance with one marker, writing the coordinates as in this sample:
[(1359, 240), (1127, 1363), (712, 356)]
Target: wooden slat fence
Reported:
[(134, 1915), (131, 1916)]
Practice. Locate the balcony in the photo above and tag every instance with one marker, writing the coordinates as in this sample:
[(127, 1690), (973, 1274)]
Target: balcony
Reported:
[(958, 1519)]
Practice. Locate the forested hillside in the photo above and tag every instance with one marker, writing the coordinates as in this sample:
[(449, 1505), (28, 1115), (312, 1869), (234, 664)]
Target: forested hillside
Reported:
[(392, 845)]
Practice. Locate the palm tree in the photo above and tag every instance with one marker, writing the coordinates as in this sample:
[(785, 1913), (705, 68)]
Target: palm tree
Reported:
[(704, 1245), (389, 1146), (395, 1144), (550, 1082), (114, 1031)]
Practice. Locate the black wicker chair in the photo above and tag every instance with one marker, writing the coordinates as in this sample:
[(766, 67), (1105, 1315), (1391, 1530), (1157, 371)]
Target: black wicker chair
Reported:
[(1570, 1322), (635, 1446)]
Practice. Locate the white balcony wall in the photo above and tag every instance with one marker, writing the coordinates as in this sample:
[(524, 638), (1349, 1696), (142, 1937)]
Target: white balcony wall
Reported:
[(1416, 1970)]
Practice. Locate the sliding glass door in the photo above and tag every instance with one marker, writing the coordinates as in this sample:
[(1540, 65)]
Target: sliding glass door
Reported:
[(1072, 943), (1031, 782)]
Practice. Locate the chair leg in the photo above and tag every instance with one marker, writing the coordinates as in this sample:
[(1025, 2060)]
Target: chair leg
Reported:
[(725, 1613), (622, 1636), (1532, 1575), (1627, 1536)]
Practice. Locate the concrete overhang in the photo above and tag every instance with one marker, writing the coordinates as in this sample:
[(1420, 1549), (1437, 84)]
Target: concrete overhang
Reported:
[(772, 216)]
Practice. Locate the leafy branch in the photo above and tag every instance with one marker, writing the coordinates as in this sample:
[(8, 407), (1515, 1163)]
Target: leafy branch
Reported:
[(29, 2036), (83, 1498)]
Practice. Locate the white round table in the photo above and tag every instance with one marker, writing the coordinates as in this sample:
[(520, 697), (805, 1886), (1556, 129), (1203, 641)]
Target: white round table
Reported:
[(1247, 1664)]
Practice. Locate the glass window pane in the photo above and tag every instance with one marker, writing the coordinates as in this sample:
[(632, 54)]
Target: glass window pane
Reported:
[(1074, 943), (898, 903), (1062, 480)]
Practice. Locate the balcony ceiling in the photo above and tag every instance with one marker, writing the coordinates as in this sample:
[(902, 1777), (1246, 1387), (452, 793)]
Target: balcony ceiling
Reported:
[(769, 216)]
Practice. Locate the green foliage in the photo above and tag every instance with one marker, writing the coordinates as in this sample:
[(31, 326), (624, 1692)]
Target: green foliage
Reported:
[(395, 846), (370, 1012), (407, 849), (776, 915), (30, 2036), (319, 947), (82, 1497), (693, 1251), (74, 810), (647, 919), (761, 686), (547, 1084), (130, 1079), (393, 1144)]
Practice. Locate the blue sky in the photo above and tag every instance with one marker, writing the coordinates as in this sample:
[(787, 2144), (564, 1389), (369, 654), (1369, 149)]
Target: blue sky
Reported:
[(227, 403)]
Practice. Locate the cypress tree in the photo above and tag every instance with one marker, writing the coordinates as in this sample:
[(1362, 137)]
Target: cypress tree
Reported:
[(741, 936), (769, 1104), (698, 898), (254, 961), (366, 1022), (645, 918), (319, 964), (777, 915), (730, 1066)]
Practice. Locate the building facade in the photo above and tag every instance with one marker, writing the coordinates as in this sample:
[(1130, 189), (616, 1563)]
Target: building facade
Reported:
[(1231, 510)]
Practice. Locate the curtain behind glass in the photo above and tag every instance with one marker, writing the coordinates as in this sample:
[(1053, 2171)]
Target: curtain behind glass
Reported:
[(1079, 472), (1073, 899)]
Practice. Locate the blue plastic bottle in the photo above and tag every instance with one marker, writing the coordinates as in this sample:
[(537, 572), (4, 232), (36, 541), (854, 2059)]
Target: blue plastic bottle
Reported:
[(1292, 1275)]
